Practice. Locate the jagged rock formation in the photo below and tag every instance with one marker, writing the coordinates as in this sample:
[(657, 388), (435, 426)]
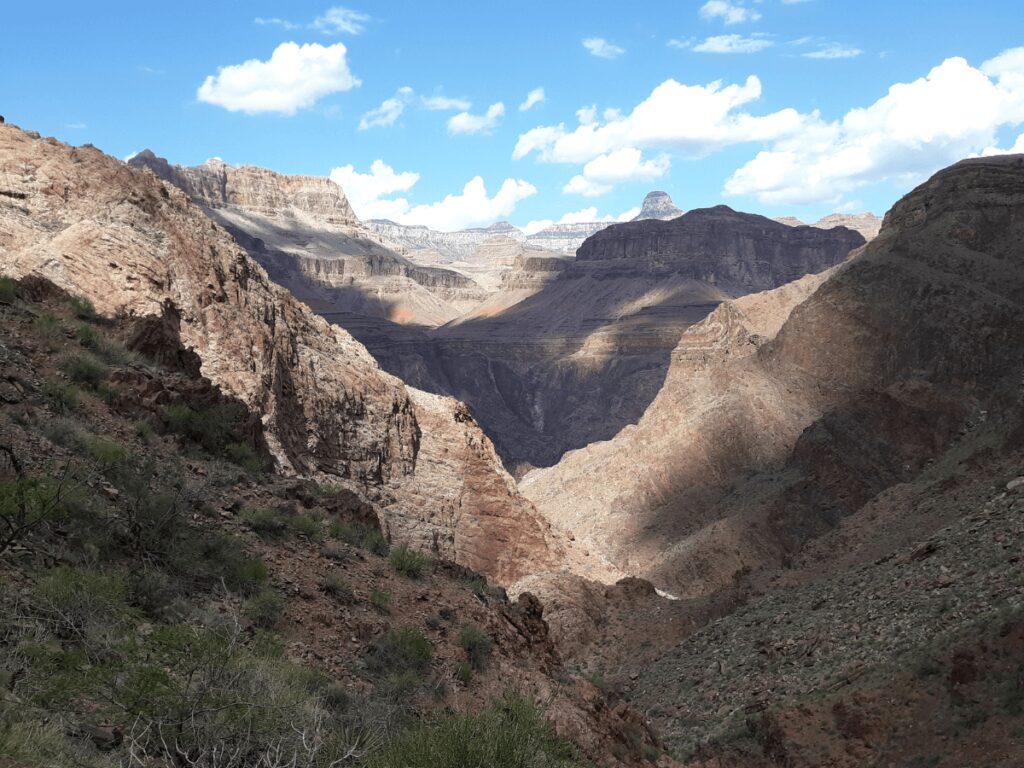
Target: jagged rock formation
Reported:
[(134, 245), (582, 357), (756, 445), (565, 238), (658, 205), (866, 223), (790, 221), (303, 231)]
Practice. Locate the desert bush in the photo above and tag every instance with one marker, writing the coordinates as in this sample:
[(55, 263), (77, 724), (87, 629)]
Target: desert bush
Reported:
[(212, 428), (48, 328), (29, 504), (264, 609), (407, 562), (265, 523), (337, 587), (509, 734), (144, 431), (106, 453), (84, 370), (375, 542), (246, 457), (464, 672), (61, 397), (400, 650), (81, 604), (29, 742), (8, 290), (380, 600), (83, 309), (306, 525), (477, 645), (359, 535)]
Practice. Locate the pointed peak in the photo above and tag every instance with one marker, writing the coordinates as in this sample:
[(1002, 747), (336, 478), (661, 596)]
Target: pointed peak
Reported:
[(658, 205)]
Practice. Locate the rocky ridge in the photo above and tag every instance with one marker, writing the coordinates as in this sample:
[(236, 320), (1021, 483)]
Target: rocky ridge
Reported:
[(134, 245)]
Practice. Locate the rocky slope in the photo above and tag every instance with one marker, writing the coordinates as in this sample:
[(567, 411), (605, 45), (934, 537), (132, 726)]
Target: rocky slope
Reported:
[(658, 205), (302, 230), (756, 445), (134, 245)]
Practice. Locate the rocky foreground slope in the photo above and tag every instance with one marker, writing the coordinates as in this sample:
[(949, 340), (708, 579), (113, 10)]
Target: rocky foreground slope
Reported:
[(134, 245)]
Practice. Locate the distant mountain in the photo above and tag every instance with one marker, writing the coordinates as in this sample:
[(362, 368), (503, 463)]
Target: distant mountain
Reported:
[(658, 205), (866, 223)]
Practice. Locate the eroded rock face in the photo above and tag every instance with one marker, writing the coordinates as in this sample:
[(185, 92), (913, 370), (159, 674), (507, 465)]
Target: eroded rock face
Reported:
[(134, 245), (767, 434), (658, 205), (303, 231), (866, 223)]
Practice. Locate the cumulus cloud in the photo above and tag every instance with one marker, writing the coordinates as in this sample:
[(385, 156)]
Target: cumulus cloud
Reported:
[(733, 44), (834, 51), (444, 103), (295, 77), (602, 173), (691, 119), (464, 122), (368, 193), (533, 98), (389, 110), (601, 48), (728, 12), (586, 215), (954, 111)]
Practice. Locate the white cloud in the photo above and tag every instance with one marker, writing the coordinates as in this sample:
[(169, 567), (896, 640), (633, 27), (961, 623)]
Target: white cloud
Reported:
[(389, 110), (586, 215), (338, 20), (534, 97), (728, 12), (443, 103), (602, 173), (464, 122), (295, 76), (734, 44), (692, 119), (365, 190), (834, 51), (1016, 149), (474, 207), (601, 48), (915, 129), (275, 22)]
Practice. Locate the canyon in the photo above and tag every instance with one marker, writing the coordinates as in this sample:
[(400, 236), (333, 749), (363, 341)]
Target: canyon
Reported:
[(727, 466)]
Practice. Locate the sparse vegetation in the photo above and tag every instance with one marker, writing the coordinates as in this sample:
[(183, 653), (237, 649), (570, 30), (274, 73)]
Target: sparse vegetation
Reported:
[(400, 650), (264, 609), (264, 522), (61, 397), (84, 370), (380, 600), (48, 328), (8, 290), (83, 309), (338, 588), (477, 645), (464, 672), (359, 535), (407, 562)]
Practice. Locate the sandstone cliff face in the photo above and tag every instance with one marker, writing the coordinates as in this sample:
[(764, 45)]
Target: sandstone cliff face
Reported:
[(304, 232), (131, 244), (866, 223), (757, 445)]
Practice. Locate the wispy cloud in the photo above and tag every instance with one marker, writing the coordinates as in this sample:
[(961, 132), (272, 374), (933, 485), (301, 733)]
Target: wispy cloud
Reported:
[(333, 21), (466, 123), (734, 44), (388, 112), (533, 98), (75, 126), (834, 51), (443, 103), (729, 13), (601, 48), (150, 70)]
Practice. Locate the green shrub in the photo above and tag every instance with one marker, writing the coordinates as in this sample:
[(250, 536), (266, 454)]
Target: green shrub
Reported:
[(88, 337), (400, 650), (375, 542), (246, 457), (509, 734), (464, 672), (84, 370), (83, 309), (212, 428), (380, 600), (79, 602), (153, 591), (106, 453), (407, 562), (477, 645), (306, 525), (144, 431), (337, 587), (61, 397), (28, 505), (265, 523), (337, 697), (359, 535), (8, 290), (48, 328), (339, 553), (264, 609)]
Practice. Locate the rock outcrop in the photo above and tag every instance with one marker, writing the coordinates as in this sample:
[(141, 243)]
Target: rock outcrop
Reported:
[(303, 231), (134, 245), (658, 205), (761, 441), (866, 223)]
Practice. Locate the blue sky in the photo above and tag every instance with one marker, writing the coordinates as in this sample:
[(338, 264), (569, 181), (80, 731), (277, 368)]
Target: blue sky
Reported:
[(801, 121)]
